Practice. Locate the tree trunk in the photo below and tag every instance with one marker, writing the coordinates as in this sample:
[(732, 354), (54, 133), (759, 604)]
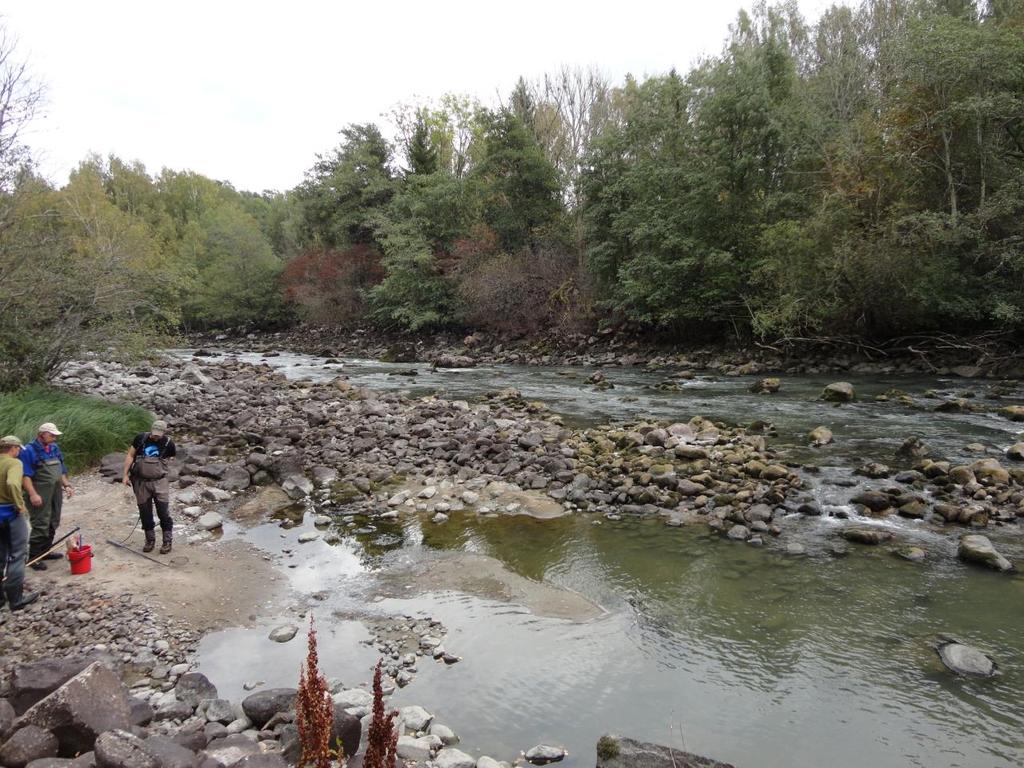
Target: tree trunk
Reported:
[(948, 165)]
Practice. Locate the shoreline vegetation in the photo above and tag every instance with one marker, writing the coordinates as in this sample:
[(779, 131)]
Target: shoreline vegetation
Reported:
[(835, 182), (92, 426)]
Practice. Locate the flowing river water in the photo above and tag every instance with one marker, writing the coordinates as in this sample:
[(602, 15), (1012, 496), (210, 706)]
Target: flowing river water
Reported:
[(748, 655)]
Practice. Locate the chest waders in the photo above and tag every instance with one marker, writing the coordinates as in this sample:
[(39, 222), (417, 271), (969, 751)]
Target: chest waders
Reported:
[(46, 518)]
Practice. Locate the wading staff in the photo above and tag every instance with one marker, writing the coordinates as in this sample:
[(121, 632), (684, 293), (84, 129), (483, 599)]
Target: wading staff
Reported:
[(140, 554), (76, 529)]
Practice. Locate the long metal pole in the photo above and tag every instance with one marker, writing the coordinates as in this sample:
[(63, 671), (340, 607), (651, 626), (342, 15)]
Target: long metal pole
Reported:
[(140, 554)]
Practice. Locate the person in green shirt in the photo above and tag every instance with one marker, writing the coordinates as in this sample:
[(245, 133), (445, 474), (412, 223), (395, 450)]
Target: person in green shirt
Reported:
[(13, 526)]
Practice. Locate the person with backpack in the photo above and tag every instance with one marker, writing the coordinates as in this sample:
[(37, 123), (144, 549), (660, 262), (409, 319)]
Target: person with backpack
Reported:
[(145, 471)]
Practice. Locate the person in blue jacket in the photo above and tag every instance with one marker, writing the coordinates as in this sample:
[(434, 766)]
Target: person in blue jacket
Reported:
[(45, 483)]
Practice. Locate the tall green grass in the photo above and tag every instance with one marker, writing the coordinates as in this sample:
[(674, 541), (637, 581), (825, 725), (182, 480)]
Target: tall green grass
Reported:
[(92, 427)]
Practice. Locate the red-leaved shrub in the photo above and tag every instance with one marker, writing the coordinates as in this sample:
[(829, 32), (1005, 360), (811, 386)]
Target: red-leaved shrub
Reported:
[(329, 286)]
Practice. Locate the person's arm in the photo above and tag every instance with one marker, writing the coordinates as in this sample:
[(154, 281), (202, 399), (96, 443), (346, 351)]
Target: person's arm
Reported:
[(64, 476), (128, 459), (30, 489)]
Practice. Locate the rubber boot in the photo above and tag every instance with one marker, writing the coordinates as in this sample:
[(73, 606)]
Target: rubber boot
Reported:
[(150, 541), (165, 546), (18, 598)]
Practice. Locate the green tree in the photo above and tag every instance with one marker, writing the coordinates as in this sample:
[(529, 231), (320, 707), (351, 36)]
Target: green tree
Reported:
[(519, 187), (345, 192)]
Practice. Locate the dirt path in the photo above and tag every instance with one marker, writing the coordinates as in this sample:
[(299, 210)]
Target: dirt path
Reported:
[(209, 586)]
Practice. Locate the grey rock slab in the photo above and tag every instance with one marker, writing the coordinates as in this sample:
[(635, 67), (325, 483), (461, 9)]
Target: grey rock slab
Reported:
[(966, 660), (35, 680), (91, 702), (308, 536)]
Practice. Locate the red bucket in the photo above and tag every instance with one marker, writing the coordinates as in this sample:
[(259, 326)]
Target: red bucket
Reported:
[(81, 560)]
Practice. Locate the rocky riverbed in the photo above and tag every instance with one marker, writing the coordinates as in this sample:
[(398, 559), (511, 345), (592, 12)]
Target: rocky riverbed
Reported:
[(366, 457), (256, 445), (934, 355)]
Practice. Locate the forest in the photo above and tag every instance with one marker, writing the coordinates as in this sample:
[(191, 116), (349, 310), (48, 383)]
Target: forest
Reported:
[(862, 176)]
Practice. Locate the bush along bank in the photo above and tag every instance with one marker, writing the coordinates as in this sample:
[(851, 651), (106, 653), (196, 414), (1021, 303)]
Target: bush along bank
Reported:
[(363, 455)]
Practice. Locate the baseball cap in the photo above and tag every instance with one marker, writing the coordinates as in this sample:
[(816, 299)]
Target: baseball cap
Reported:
[(159, 427), (9, 441), (49, 427)]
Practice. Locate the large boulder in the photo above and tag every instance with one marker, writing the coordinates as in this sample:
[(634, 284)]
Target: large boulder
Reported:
[(975, 548), (7, 716), (1013, 412), (621, 752), (36, 680), (966, 660), (28, 744), (123, 749), (193, 687), (346, 730), (263, 705), (1015, 452), (91, 702), (839, 392)]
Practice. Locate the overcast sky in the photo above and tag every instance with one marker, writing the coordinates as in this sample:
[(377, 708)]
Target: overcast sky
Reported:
[(251, 92)]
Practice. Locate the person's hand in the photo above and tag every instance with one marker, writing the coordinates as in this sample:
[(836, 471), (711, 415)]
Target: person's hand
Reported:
[(69, 491), (36, 499), (126, 481)]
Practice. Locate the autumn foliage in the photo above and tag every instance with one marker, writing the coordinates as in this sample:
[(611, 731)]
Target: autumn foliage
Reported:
[(328, 286), (382, 738), (314, 710)]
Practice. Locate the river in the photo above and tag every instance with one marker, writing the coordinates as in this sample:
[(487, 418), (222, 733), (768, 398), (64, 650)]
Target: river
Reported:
[(747, 655)]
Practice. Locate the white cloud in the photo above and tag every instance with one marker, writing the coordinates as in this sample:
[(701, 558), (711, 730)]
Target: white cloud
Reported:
[(251, 92)]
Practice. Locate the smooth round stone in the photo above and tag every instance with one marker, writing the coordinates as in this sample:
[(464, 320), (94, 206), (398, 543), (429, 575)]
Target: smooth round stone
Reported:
[(283, 633)]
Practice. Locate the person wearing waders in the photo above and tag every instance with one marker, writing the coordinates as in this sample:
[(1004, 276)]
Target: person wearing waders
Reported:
[(145, 470), (13, 527), (45, 484)]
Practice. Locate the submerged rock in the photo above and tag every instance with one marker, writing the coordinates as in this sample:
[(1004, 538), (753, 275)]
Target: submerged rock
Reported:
[(621, 752), (542, 754), (839, 392), (966, 660), (978, 549), (866, 535), (820, 436), (283, 633)]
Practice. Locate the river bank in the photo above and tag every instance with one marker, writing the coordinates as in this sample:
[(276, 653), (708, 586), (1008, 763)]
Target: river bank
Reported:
[(941, 354)]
